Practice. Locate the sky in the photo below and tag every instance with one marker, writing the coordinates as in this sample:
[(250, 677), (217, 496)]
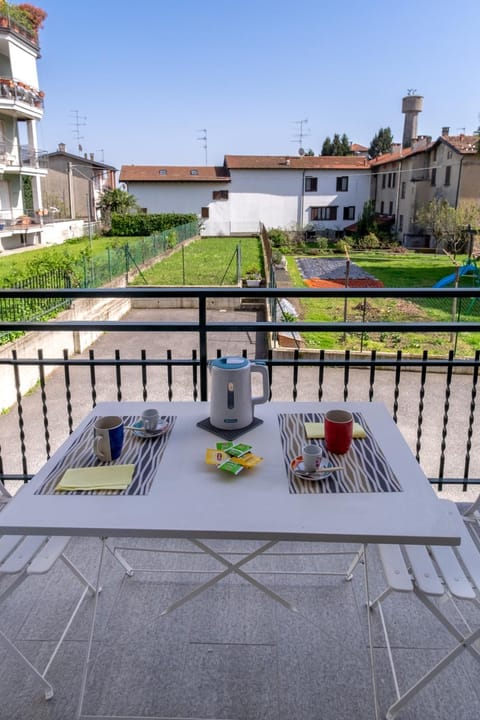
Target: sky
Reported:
[(140, 83)]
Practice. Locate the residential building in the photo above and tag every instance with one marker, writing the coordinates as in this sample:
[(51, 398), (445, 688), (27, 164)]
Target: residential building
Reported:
[(324, 193), (22, 164), (74, 184), (403, 182)]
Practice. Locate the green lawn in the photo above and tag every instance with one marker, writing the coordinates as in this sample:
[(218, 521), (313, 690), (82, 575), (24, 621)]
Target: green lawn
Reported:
[(72, 250), (394, 270), (208, 261)]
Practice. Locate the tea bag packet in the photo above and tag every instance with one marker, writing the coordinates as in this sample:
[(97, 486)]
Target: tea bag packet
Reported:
[(231, 467), (215, 457), (249, 460), (238, 450), (224, 445)]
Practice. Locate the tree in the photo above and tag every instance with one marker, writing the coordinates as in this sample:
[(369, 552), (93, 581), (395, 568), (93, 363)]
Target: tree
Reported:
[(327, 147), (366, 222), (116, 201), (450, 226), (381, 143), (337, 146)]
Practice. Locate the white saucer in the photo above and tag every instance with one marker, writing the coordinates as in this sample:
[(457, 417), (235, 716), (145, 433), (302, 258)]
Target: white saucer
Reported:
[(159, 430), (299, 469)]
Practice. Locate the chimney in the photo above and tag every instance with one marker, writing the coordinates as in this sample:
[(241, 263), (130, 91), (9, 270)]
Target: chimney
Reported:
[(61, 147), (445, 131), (287, 162), (92, 156), (85, 155)]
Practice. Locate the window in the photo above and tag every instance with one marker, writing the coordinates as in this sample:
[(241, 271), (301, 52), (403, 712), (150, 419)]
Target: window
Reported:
[(433, 177), (323, 213), (194, 172), (434, 156), (382, 207), (389, 183), (349, 212), (448, 171), (342, 183), (162, 171), (400, 223), (390, 208), (311, 184), (204, 212), (220, 194), (403, 190), (449, 155), (394, 179), (384, 180)]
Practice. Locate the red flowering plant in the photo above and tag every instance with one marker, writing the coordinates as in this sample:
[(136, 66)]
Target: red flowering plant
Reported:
[(35, 16)]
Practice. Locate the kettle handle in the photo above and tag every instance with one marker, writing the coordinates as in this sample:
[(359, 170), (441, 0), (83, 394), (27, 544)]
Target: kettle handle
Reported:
[(263, 371)]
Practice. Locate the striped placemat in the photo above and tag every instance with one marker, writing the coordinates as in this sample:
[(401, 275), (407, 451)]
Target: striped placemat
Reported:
[(144, 453), (365, 468)]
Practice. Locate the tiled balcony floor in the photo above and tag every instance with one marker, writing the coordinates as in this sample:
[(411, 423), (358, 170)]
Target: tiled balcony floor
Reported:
[(232, 653)]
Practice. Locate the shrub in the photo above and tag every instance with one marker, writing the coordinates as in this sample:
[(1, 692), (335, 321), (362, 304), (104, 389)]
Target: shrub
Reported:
[(368, 242), (278, 238), (143, 225)]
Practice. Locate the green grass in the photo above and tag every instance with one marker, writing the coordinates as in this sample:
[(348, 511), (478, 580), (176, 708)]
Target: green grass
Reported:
[(396, 271), (18, 263), (208, 261)]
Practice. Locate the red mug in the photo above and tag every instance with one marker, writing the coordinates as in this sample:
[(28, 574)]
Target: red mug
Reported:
[(338, 431)]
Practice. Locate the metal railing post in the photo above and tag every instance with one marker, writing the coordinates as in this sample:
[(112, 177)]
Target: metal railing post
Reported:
[(202, 341)]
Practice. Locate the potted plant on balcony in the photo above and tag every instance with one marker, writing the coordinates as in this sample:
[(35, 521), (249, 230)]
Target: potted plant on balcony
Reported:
[(253, 276)]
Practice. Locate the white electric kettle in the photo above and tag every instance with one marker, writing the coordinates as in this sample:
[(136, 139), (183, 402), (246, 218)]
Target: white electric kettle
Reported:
[(231, 401)]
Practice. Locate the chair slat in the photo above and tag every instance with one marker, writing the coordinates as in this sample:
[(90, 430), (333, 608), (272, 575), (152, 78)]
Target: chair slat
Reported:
[(7, 545), (395, 569), (48, 555), (23, 554), (453, 574), (426, 576)]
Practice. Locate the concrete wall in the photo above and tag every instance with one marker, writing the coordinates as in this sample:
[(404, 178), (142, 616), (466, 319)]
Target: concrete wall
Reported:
[(53, 343)]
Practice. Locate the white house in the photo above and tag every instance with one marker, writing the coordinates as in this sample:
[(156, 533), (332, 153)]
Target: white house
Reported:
[(326, 193)]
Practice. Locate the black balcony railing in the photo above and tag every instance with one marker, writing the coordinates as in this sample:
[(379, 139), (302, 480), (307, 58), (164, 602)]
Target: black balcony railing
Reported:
[(432, 397)]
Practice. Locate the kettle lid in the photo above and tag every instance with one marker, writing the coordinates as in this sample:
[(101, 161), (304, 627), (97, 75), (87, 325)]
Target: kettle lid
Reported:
[(230, 363)]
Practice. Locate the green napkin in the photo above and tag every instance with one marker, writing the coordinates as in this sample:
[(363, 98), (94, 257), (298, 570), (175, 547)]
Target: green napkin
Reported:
[(317, 430), (106, 477)]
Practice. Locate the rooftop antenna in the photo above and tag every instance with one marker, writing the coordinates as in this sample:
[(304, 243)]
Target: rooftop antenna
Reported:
[(78, 122), (101, 150), (411, 91), (302, 133), (204, 139)]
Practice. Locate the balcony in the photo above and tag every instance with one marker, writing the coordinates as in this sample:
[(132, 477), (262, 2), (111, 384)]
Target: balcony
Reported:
[(9, 24), (232, 652), (19, 99)]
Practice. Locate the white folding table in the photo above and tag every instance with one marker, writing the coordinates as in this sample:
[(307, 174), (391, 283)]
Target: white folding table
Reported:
[(386, 498)]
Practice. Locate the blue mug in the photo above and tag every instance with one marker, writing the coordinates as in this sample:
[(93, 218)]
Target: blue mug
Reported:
[(108, 439)]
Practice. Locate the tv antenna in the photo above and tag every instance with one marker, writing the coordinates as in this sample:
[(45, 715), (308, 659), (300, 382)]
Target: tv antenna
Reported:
[(78, 122), (102, 151), (411, 91), (302, 132), (205, 143)]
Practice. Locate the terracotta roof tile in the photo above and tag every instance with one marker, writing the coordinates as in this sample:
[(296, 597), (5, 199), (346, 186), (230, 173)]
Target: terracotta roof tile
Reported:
[(304, 162), (173, 173), (465, 144)]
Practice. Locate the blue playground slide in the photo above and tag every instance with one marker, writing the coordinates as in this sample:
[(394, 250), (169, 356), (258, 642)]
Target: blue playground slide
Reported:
[(449, 279)]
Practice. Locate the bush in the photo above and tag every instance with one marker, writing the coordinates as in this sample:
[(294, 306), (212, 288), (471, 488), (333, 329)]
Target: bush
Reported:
[(143, 225), (278, 238), (368, 242), (340, 246)]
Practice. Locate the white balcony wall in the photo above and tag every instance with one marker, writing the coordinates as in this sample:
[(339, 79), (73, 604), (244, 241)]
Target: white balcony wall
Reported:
[(23, 63)]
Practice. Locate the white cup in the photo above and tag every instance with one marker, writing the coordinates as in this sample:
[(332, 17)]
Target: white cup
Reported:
[(312, 455), (150, 420)]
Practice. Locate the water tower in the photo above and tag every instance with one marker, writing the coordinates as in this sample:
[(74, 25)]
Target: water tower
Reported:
[(412, 105)]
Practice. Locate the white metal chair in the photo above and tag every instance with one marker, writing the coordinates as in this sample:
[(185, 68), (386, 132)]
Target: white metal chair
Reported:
[(25, 556), (431, 573)]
